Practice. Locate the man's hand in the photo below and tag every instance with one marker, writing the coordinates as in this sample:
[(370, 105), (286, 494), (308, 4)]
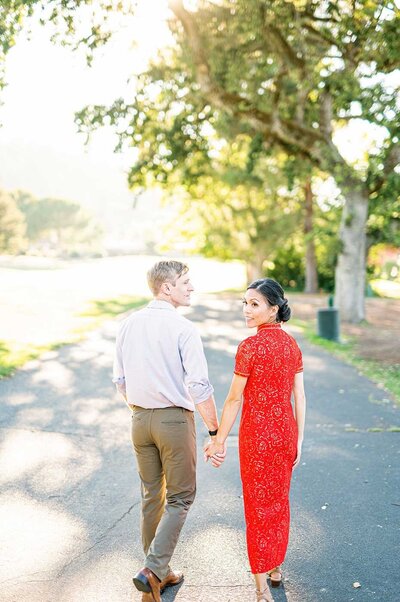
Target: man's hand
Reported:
[(214, 451)]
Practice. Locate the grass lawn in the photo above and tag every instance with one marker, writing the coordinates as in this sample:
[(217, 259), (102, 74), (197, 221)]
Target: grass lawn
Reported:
[(386, 376), (14, 355), (105, 309)]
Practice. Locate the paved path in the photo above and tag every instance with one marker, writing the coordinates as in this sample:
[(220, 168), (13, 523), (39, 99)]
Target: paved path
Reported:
[(69, 504)]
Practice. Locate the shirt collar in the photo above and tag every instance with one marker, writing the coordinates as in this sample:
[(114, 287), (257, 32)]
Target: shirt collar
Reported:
[(160, 304)]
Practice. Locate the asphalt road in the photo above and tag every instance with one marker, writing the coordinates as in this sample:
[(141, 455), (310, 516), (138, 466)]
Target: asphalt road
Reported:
[(69, 503)]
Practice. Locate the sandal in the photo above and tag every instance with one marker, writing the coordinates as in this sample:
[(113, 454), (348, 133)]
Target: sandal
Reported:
[(275, 576), (264, 596)]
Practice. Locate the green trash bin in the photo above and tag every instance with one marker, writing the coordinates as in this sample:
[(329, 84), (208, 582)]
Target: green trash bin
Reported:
[(328, 323)]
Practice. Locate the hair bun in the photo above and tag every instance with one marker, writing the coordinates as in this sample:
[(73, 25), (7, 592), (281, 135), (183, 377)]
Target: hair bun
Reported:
[(284, 311), (274, 295)]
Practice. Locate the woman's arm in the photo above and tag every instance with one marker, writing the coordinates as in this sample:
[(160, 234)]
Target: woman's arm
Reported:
[(299, 412), (229, 413)]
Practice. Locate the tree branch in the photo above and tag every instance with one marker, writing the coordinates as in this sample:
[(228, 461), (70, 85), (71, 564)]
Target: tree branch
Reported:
[(278, 82), (392, 159), (391, 162), (309, 142), (326, 112), (272, 34), (322, 36)]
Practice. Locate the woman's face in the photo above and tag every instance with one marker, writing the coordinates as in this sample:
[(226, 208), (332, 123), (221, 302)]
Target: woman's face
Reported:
[(257, 310)]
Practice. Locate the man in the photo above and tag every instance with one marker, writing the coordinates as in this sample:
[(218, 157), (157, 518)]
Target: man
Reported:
[(161, 370)]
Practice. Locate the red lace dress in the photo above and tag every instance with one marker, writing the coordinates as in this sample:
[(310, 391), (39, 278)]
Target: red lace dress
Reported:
[(267, 441)]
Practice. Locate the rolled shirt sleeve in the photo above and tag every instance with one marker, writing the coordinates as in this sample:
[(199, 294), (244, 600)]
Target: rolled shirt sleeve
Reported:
[(118, 367), (195, 366)]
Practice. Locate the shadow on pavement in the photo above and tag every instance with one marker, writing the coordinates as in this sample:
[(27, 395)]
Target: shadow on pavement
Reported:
[(70, 493)]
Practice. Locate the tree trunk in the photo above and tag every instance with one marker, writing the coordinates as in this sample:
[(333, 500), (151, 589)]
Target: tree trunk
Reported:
[(311, 284), (254, 267), (350, 269)]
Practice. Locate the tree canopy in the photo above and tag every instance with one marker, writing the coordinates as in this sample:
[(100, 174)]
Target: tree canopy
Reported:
[(28, 223), (286, 74), (289, 75), (12, 225)]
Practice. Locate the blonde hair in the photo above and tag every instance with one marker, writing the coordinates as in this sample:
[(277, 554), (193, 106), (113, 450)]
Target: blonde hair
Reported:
[(165, 271)]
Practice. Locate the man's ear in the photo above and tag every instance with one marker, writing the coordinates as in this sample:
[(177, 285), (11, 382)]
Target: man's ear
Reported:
[(166, 288)]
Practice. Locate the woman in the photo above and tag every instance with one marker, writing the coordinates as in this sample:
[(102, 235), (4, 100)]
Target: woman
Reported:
[(268, 369)]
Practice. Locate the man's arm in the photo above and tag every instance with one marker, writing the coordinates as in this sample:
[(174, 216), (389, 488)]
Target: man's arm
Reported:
[(121, 388), (196, 378), (208, 412), (118, 368), (195, 368)]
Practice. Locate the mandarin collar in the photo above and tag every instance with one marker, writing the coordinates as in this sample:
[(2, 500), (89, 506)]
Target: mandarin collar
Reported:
[(160, 304), (269, 326)]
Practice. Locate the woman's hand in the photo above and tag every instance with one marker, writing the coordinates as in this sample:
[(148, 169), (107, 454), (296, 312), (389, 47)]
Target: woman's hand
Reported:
[(215, 451), (299, 413), (216, 447), (298, 456)]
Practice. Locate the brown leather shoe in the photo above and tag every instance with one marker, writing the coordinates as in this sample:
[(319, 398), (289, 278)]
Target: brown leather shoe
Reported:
[(173, 578), (146, 581)]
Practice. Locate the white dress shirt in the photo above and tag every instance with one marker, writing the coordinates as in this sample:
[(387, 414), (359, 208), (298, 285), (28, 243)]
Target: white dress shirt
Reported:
[(159, 359)]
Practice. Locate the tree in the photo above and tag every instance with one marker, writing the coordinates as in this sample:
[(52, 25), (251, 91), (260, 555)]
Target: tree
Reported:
[(311, 283), (58, 223), (301, 172), (383, 224), (237, 210), (65, 15), (308, 64), (12, 226), (289, 72)]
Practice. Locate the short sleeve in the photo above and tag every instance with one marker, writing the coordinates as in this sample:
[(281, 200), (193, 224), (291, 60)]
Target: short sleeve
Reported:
[(244, 358), (299, 361)]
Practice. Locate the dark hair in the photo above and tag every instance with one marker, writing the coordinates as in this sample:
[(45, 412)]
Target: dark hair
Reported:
[(274, 295)]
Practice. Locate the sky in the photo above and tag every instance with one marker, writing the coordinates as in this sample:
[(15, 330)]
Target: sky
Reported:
[(40, 149)]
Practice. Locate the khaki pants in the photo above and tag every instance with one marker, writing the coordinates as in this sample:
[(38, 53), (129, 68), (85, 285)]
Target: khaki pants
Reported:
[(164, 441)]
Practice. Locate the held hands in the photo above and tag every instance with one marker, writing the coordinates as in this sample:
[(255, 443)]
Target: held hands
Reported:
[(214, 451)]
